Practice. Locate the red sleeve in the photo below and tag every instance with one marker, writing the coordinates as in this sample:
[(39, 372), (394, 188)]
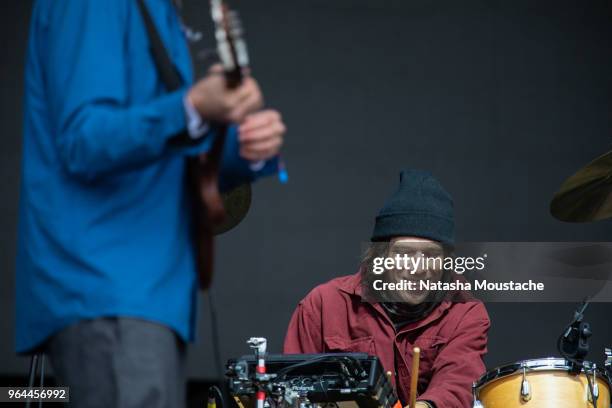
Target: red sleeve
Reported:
[(460, 363), (304, 334)]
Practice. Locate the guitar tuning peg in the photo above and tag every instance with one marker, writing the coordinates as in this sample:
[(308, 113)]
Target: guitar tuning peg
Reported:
[(237, 30), (233, 18)]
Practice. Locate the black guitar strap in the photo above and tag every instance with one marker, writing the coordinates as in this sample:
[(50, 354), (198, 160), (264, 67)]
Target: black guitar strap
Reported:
[(166, 69)]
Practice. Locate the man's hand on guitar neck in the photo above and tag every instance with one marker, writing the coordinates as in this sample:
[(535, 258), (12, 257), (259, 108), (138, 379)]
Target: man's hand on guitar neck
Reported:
[(215, 102), (260, 133)]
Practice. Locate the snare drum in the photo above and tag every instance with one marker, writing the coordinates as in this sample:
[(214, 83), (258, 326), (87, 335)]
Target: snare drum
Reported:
[(541, 383)]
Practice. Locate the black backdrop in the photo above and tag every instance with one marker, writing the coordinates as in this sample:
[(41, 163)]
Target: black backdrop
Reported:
[(501, 100)]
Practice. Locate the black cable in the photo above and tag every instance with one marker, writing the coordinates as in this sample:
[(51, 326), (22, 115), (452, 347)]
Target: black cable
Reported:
[(42, 377), (214, 325), (32, 375), (324, 388), (271, 402), (219, 400), (280, 374)]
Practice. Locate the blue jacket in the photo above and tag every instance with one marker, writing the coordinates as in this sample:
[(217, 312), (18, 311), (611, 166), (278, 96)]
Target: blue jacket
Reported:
[(104, 218)]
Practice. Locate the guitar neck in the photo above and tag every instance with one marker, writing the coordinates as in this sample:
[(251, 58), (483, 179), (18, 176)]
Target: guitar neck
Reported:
[(234, 78)]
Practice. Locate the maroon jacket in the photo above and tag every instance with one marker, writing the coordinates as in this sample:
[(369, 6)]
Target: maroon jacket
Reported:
[(452, 339)]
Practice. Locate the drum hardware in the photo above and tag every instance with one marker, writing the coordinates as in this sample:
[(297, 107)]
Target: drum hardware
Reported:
[(525, 387), (573, 344), (608, 364), (477, 403), (259, 346), (592, 396)]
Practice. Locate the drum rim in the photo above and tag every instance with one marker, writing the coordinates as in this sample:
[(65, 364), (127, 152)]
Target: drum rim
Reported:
[(534, 364)]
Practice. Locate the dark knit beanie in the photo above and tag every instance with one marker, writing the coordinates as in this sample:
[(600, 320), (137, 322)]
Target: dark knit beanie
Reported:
[(420, 207)]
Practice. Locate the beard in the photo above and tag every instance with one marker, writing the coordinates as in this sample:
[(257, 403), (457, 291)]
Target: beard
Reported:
[(409, 297)]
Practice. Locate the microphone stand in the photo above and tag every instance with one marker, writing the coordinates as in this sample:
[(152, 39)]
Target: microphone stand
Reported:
[(573, 344)]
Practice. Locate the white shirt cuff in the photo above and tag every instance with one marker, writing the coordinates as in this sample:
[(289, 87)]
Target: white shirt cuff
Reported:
[(196, 126)]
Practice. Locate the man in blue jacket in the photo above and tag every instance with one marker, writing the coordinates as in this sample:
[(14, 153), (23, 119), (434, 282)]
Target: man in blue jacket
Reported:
[(106, 283)]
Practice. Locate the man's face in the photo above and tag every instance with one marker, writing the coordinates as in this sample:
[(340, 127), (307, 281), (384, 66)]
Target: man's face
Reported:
[(424, 258)]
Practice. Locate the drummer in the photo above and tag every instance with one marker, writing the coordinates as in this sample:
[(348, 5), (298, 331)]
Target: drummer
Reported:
[(449, 328)]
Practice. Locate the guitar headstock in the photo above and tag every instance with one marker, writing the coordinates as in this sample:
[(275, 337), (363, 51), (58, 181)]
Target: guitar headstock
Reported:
[(231, 45)]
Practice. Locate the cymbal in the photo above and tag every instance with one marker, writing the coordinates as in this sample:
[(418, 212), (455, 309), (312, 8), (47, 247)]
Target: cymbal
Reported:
[(236, 203), (587, 195)]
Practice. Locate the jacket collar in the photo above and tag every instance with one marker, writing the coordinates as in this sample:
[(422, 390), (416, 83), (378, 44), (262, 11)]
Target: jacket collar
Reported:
[(353, 287)]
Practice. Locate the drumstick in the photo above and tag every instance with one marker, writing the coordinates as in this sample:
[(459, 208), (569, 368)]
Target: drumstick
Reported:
[(414, 375)]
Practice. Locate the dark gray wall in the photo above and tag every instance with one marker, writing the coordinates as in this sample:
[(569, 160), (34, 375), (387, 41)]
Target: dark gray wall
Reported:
[(500, 99), (13, 31)]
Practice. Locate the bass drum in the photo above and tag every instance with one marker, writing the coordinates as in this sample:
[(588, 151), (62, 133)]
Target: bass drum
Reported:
[(542, 383)]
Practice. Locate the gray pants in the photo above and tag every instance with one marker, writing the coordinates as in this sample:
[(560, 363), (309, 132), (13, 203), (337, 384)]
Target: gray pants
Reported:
[(119, 362)]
